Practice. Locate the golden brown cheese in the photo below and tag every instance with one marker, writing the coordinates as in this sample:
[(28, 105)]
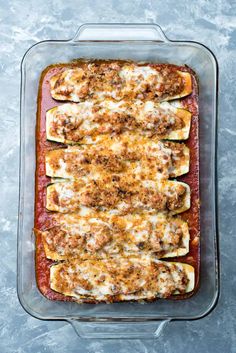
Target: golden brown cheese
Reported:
[(140, 158), (87, 121), (102, 235), (118, 196), (111, 198), (119, 80), (121, 279)]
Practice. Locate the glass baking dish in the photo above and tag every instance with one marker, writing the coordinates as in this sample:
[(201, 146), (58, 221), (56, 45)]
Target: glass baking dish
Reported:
[(139, 42)]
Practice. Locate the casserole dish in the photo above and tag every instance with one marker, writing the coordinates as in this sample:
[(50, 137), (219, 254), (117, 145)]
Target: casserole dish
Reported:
[(139, 43)]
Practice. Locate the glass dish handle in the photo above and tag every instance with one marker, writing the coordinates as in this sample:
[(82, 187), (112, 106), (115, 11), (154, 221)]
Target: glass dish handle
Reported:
[(118, 330), (119, 32)]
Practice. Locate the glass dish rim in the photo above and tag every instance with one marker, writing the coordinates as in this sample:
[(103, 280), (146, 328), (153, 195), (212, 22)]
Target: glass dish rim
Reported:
[(215, 176)]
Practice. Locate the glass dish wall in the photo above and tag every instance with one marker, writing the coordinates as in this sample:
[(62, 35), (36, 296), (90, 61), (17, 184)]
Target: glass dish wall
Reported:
[(139, 43)]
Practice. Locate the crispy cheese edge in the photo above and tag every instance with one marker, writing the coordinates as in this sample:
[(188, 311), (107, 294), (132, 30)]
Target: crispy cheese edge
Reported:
[(186, 76), (181, 134), (187, 198)]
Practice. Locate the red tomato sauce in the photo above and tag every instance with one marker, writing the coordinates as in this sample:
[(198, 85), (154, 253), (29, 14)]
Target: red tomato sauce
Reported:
[(44, 219)]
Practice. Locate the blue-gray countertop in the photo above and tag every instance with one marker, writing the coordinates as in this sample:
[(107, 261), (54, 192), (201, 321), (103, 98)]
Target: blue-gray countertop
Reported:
[(23, 23)]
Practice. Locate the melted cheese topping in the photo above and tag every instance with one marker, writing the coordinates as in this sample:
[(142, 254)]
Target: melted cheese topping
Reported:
[(102, 235), (120, 81), (113, 203), (87, 121), (120, 279), (120, 196), (138, 158)]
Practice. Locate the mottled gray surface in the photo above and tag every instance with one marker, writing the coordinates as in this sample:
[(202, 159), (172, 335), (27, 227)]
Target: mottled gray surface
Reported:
[(23, 23)]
